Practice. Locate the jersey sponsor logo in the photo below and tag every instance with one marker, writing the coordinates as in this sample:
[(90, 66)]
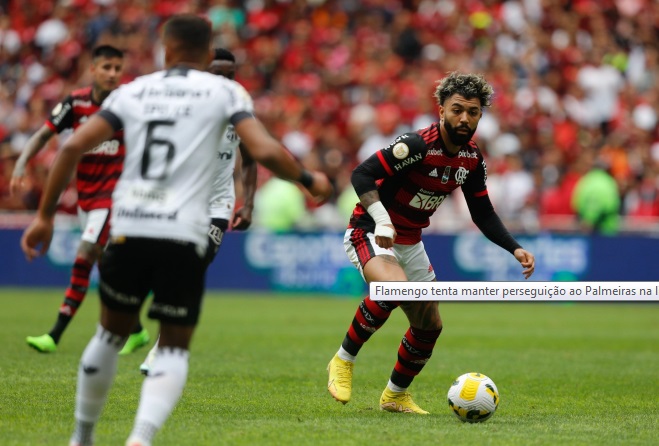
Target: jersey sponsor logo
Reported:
[(467, 154), (400, 150), (57, 109), (408, 161), (152, 195), (109, 148), (215, 234), (484, 171), (141, 214), (168, 310), (82, 103), (435, 152), (225, 155), (59, 112), (231, 134), (433, 173), (426, 202), (446, 175), (461, 175)]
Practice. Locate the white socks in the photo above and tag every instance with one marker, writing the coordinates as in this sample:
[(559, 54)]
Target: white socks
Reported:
[(394, 388), (98, 366), (161, 391), (343, 354)]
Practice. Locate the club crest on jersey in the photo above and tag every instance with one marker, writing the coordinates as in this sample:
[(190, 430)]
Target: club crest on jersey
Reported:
[(461, 175), (400, 150)]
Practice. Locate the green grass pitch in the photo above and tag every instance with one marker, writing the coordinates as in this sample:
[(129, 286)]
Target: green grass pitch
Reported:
[(581, 374)]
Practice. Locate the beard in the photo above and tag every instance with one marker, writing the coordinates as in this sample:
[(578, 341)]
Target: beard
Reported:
[(459, 139)]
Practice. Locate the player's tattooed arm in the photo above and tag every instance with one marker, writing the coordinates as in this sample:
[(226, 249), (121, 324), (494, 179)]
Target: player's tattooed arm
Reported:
[(369, 198)]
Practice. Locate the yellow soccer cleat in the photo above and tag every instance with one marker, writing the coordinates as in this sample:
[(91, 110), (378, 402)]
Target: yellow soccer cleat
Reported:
[(399, 402), (340, 379)]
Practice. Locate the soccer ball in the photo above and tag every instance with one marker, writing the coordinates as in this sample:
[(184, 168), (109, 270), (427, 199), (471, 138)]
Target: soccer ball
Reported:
[(473, 397)]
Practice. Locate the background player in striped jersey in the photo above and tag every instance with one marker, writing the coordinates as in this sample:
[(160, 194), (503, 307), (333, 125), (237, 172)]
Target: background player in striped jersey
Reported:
[(173, 121), (223, 196), (399, 188), (97, 174)]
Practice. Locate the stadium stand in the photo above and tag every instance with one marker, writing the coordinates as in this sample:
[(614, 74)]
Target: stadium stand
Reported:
[(576, 81)]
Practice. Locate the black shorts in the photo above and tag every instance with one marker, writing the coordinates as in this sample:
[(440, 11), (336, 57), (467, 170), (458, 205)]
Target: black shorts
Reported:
[(175, 271), (215, 234)]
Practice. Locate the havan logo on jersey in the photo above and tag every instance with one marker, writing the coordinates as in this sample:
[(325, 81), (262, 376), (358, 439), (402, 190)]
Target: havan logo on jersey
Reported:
[(426, 200), (59, 112), (408, 161)]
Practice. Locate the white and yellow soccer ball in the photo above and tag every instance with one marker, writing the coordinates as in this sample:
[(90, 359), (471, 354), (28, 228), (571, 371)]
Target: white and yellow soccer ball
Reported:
[(473, 397)]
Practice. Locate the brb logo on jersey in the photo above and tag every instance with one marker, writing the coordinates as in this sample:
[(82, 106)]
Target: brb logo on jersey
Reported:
[(426, 200), (109, 148)]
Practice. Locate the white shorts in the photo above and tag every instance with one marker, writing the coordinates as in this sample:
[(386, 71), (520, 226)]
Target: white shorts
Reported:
[(361, 247), (95, 226)]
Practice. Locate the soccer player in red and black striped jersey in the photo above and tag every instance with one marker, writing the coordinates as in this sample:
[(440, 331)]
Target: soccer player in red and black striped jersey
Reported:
[(399, 188), (96, 176)]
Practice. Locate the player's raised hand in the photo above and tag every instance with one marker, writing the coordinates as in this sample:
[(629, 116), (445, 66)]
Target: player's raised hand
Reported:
[(37, 237), (320, 188)]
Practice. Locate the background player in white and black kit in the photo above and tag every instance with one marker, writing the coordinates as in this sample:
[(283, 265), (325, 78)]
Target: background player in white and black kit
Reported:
[(223, 195), (399, 188), (173, 121)]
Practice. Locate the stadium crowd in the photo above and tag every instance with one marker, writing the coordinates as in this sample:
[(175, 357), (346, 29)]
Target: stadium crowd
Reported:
[(576, 87)]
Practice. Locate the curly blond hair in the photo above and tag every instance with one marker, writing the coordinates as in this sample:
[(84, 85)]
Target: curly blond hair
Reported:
[(466, 85)]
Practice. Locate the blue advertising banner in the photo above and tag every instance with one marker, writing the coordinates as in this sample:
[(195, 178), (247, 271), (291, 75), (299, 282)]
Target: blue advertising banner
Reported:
[(316, 262)]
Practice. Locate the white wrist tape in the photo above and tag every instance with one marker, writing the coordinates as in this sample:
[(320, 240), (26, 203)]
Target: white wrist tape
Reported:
[(381, 218)]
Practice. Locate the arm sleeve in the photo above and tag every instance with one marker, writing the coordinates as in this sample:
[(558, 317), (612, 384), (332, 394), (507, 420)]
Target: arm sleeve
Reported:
[(482, 212), (406, 151), (61, 117), (241, 105)]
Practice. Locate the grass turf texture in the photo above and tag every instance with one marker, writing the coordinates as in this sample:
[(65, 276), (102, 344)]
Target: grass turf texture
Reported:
[(567, 374)]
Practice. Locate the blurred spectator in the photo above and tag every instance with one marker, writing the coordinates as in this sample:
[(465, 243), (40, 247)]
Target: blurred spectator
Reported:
[(596, 201), (280, 206)]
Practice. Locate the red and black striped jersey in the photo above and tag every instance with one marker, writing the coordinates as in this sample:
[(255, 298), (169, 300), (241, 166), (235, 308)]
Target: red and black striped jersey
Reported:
[(100, 168), (415, 173)]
